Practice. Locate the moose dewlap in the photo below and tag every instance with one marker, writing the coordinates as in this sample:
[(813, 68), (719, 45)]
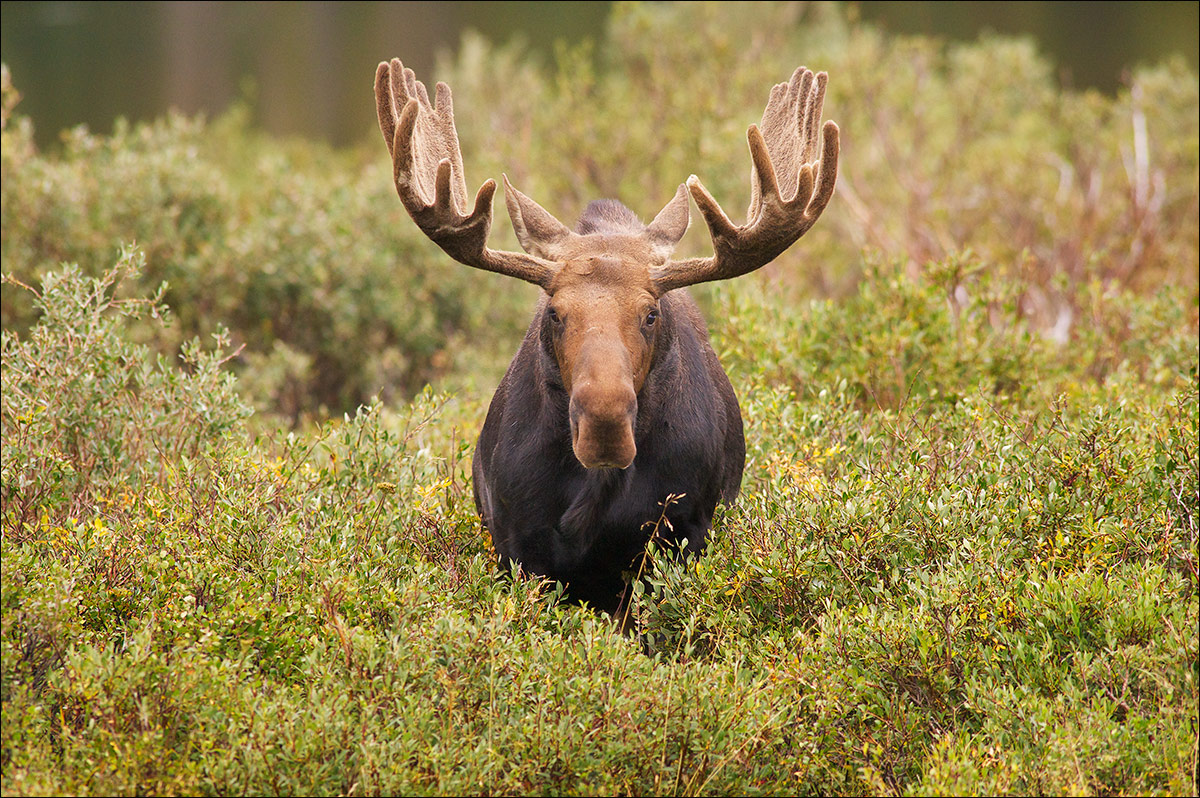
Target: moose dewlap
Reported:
[(615, 400)]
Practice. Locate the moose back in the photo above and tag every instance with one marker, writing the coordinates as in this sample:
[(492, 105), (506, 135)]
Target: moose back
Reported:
[(614, 420)]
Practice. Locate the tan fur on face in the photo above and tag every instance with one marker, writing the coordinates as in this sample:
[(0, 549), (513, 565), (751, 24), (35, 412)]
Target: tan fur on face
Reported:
[(603, 349)]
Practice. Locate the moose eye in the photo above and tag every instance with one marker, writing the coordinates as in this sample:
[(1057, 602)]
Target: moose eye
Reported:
[(554, 317), (651, 317)]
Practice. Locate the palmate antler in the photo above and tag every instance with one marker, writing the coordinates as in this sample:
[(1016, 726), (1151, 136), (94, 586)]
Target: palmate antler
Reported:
[(784, 151), (428, 172)]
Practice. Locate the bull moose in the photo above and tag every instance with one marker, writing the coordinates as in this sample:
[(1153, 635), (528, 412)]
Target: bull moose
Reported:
[(615, 418)]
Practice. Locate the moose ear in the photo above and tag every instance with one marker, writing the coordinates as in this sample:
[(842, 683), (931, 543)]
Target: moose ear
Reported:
[(670, 224), (539, 233)]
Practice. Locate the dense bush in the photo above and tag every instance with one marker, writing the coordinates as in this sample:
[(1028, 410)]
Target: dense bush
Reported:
[(964, 559), (115, 416), (304, 255)]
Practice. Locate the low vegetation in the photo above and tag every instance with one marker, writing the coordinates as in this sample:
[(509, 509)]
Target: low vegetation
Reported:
[(240, 551)]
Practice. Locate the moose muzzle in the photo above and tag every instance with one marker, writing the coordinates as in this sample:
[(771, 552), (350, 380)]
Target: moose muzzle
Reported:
[(602, 419)]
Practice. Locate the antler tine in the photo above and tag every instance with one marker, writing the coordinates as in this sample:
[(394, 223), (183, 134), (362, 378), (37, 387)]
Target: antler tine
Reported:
[(789, 186), (385, 104), (428, 172)]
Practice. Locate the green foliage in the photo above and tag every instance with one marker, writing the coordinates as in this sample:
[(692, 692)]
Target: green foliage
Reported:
[(980, 589), (304, 254), (87, 414), (964, 559)]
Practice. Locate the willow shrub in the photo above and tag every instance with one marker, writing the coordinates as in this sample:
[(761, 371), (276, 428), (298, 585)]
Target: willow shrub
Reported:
[(304, 255)]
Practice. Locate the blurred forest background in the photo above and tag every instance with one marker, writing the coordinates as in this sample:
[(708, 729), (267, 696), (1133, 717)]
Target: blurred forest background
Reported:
[(236, 145), (301, 66)]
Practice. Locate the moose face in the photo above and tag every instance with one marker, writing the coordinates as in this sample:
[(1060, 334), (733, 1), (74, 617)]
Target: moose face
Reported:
[(603, 318)]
